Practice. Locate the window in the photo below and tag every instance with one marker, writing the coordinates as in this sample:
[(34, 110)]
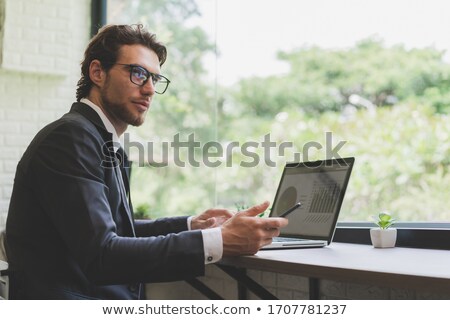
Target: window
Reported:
[(276, 82)]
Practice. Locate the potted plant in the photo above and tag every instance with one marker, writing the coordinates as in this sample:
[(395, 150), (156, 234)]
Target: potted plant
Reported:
[(384, 236)]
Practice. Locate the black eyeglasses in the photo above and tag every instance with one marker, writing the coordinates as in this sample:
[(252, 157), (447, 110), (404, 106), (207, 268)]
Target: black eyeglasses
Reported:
[(139, 76)]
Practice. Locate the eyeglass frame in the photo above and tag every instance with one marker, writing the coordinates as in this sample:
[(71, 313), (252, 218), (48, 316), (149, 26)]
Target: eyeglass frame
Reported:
[(149, 75)]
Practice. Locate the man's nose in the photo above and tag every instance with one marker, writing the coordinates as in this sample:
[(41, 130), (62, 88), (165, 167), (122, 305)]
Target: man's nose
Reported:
[(148, 88)]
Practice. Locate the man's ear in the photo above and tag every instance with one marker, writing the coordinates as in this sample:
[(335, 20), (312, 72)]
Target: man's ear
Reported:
[(96, 73)]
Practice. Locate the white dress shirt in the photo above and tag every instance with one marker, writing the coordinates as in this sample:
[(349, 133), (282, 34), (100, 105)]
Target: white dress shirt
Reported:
[(212, 238)]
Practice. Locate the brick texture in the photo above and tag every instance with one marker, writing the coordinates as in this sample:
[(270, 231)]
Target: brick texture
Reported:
[(37, 35), (43, 44)]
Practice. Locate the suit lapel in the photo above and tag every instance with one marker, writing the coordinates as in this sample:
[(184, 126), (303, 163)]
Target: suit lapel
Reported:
[(93, 117), (125, 168), (125, 179), (119, 161)]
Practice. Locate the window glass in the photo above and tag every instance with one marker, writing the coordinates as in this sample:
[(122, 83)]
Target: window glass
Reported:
[(257, 83), (167, 175)]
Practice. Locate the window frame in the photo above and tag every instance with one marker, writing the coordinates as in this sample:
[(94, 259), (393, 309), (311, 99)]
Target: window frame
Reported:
[(98, 15)]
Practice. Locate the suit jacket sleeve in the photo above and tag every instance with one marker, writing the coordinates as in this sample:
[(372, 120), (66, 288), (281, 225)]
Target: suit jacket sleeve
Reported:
[(75, 193), (162, 226)]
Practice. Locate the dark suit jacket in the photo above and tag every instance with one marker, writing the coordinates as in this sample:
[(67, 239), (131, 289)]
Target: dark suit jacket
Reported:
[(69, 232)]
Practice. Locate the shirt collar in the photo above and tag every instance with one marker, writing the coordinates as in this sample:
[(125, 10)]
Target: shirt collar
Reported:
[(108, 125)]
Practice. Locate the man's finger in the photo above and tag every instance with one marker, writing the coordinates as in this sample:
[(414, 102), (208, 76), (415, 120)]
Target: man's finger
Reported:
[(210, 222), (274, 223), (224, 212), (255, 210)]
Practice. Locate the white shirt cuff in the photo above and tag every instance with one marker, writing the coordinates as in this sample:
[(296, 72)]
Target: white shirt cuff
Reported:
[(212, 243), (189, 221)]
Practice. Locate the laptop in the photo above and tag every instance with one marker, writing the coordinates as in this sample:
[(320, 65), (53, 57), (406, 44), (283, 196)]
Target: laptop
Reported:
[(319, 186)]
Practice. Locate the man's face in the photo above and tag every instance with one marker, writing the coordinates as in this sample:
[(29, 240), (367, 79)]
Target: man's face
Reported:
[(125, 102)]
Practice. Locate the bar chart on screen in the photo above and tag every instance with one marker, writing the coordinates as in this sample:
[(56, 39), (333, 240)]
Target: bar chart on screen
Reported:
[(325, 197)]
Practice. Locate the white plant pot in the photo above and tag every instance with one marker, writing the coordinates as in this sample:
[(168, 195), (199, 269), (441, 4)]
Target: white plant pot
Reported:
[(383, 238)]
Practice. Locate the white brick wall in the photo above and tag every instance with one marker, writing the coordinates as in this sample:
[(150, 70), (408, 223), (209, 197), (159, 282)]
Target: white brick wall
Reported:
[(43, 44), (37, 36)]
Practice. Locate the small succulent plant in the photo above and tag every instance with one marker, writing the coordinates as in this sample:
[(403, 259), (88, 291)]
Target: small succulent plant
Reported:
[(384, 220)]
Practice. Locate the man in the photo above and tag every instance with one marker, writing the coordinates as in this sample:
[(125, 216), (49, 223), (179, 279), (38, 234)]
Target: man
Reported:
[(70, 230)]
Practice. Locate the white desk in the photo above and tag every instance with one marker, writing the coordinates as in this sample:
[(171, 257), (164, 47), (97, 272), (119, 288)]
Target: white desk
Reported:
[(420, 269)]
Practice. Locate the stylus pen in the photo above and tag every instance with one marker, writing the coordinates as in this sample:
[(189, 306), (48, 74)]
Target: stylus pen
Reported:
[(288, 211)]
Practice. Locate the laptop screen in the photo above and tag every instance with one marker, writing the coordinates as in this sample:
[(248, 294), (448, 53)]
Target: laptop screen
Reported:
[(320, 187)]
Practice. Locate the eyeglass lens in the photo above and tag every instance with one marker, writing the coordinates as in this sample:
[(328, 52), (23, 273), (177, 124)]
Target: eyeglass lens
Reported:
[(139, 76)]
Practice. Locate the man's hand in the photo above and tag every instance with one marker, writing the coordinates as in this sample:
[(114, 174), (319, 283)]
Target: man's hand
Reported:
[(210, 219), (245, 233)]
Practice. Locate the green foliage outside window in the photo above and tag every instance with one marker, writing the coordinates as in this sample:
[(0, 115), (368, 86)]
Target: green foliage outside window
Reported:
[(390, 104)]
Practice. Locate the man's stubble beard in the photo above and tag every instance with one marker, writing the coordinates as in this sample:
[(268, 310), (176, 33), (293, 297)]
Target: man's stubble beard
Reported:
[(119, 110)]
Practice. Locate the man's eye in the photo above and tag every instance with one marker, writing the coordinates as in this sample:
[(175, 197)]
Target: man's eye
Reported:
[(155, 78), (139, 73)]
